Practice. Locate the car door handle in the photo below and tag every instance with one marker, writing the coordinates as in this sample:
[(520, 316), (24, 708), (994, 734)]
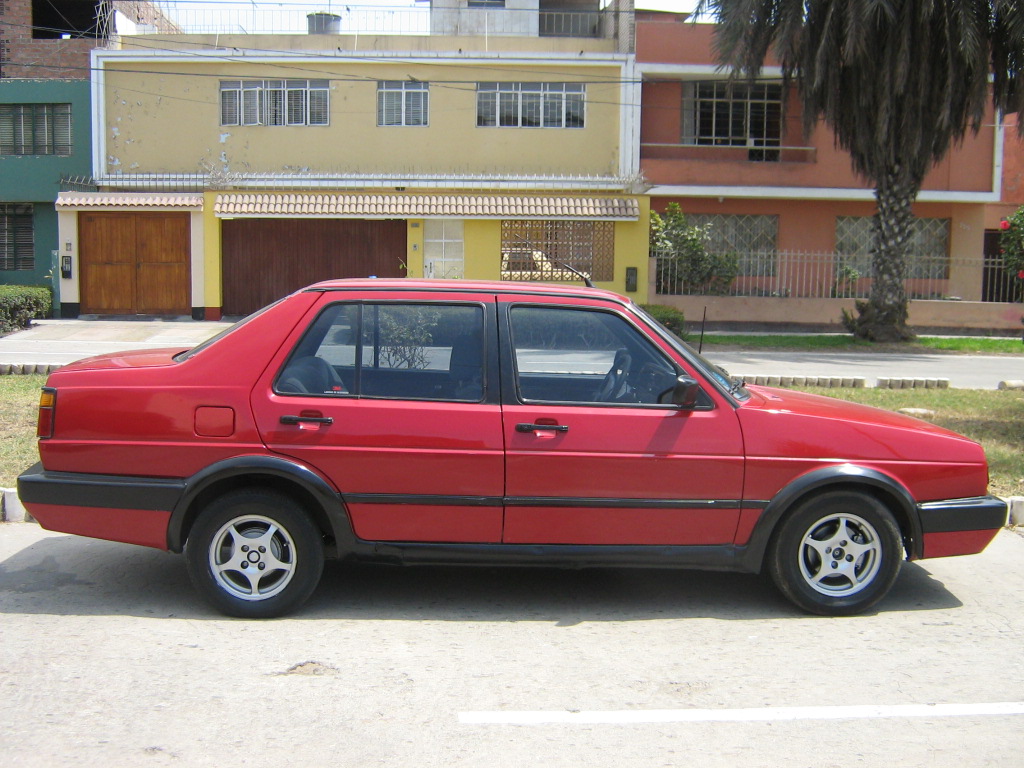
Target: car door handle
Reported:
[(307, 420), (542, 427)]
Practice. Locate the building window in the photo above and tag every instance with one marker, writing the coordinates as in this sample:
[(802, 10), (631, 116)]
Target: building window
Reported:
[(550, 250), (402, 102), (274, 102), (35, 129), (927, 251), (444, 248), (530, 105), (17, 242), (720, 113), (753, 238)]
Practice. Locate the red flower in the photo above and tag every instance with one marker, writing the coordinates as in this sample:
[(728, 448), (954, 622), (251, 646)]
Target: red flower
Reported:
[(1004, 224), (1021, 274)]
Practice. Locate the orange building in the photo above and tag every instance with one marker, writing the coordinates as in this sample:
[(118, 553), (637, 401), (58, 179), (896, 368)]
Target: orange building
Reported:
[(792, 211)]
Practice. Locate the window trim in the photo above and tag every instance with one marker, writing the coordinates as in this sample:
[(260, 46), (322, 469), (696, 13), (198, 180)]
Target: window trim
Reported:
[(17, 246), (728, 102), (405, 90), (250, 103), (514, 394), (552, 98), (304, 346), (22, 135)]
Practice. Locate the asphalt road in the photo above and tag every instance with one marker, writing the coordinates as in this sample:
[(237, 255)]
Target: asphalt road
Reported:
[(108, 658), (64, 341)]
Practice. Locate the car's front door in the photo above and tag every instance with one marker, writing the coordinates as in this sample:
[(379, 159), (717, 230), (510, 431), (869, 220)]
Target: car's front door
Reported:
[(595, 455), (396, 403)]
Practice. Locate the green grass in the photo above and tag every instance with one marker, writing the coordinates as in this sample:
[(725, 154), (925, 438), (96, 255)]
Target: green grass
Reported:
[(995, 418), (19, 403), (929, 344)]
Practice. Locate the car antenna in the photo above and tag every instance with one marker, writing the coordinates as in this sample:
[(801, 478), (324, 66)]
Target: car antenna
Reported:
[(700, 344), (586, 279)]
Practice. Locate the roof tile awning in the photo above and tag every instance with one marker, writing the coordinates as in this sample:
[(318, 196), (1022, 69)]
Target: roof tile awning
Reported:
[(426, 207), (100, 200)]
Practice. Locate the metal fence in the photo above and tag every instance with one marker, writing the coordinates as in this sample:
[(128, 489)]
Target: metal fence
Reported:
[(797, 275)]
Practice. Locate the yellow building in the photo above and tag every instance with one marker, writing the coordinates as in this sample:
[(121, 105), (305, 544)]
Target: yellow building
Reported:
[(496, 142)]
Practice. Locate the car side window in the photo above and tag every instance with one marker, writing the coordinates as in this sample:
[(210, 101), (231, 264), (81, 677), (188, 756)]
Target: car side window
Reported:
[(390, 350), (568, 355)]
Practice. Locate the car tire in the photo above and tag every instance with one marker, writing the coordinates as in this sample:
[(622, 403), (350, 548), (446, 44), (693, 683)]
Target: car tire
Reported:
[(255, 554), (836, 554)]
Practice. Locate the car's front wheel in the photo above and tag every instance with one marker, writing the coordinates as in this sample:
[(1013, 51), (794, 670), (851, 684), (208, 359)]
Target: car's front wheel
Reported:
[(254, 554), (836, 554)]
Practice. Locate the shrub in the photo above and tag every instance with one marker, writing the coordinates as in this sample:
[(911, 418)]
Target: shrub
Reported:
[(20, 304), (685, 265), (670, 317)]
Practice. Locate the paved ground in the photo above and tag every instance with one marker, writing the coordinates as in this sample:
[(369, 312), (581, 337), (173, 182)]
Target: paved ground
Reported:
[(64, 341), (108, 658)]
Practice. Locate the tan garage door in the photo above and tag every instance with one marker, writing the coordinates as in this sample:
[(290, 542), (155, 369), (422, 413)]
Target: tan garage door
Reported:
[(134, 263)]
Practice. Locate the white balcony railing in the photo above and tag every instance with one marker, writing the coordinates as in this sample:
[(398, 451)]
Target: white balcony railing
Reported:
[(387, 17)]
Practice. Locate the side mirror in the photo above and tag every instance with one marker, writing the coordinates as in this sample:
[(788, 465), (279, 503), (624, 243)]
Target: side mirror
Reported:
[(685, 392)]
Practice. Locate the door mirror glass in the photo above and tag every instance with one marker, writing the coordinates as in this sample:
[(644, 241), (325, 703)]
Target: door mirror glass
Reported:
[(685, 392)]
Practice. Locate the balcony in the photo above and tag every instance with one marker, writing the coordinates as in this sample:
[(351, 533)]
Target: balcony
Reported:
[(488, 18)]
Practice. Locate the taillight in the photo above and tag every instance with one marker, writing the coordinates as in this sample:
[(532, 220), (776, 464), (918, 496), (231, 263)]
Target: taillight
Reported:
[(47, 410)]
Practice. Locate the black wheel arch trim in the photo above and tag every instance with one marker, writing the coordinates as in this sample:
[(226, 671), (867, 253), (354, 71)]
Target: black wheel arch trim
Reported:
[(316, 487), (848, 475)]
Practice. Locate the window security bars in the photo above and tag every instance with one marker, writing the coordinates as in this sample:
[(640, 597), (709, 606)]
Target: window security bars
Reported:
[(726, 114), (35, 129), (747, 236), (530, 105), (929, 240), (402, 102), (17, 241), (541, 250), (274, 102)]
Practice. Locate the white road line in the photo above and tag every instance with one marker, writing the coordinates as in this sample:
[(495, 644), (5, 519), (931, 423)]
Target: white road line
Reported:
[(763, 714)]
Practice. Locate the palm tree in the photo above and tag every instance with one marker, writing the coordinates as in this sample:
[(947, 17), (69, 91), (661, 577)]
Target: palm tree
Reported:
[(899, 82)]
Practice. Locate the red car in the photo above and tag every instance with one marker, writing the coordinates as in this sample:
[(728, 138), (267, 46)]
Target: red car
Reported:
[(408, 421)]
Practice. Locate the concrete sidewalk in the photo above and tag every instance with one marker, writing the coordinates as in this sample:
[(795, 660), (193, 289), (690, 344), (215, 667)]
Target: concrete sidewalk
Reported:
[(58, 342)]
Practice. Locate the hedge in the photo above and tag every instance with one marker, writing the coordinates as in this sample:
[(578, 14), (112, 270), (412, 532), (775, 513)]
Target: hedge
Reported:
[(20, 304), (670, 317)]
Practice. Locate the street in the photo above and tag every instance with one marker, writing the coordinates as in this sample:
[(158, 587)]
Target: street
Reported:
[(108, 657)]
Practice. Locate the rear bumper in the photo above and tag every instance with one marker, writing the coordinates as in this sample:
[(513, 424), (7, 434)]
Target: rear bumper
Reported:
[(960, 526), (135, 510)]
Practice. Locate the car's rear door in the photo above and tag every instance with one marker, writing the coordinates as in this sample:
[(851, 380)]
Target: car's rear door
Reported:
[(394, 398), (594, 455)]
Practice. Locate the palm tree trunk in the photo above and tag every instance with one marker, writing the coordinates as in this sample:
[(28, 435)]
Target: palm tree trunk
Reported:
[(884, 316)]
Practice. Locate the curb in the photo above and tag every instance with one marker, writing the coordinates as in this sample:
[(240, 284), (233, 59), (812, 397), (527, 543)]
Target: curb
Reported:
[(26, 369), (11, 508)]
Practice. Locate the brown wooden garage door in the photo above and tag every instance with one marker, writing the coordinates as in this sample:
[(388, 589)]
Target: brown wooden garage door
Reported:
[(134, 263), (265, 259)]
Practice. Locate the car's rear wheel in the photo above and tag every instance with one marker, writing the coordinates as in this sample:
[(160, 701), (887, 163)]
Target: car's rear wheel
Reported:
[(836, 554), (254, 554)]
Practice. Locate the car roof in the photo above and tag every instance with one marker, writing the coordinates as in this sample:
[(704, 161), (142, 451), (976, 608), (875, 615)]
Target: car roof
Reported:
[(463, 286)]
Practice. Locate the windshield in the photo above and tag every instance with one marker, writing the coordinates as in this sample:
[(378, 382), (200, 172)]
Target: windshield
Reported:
[(190, 353), (731, 384)]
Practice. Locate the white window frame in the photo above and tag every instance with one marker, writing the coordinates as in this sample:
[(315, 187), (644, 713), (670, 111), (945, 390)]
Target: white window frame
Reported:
[(722, 113), (403, 103), (274, 102), (531, 105)]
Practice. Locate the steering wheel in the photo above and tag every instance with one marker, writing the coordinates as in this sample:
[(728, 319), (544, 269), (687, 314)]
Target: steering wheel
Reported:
[(615, 384)]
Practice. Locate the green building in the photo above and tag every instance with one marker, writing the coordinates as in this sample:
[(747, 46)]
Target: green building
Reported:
[(45, 133)]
